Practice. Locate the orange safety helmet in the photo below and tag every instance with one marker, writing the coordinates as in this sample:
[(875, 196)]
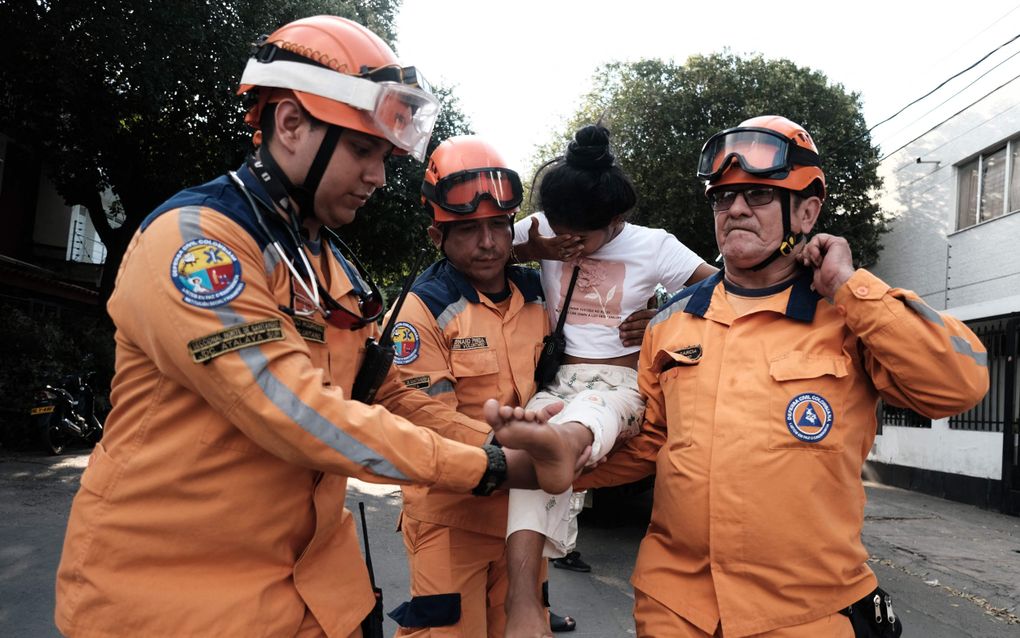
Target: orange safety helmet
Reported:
[(467, 178), (345, 75), (769, 150)]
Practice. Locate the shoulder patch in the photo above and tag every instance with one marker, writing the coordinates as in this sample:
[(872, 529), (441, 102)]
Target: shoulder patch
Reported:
[(207, 348), (406, 343), (207, 273)]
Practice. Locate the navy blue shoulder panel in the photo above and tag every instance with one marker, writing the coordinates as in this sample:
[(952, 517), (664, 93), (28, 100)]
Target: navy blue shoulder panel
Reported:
[(441, 284), (528, 281), (220, 195), (436, 287), (702, 293)]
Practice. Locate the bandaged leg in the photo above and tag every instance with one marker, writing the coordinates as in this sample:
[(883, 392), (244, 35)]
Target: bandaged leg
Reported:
[(603, 399)]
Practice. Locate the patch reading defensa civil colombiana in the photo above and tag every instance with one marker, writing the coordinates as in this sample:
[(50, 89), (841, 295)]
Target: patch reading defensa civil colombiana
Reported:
[(809, 417), (406, 343), (207, 273)]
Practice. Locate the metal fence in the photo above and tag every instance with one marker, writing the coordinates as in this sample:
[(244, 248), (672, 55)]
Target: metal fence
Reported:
[(1000, 338), (904, 417)]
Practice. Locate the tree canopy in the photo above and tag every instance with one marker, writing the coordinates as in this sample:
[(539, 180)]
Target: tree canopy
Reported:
[(138, 96), (661, 113)]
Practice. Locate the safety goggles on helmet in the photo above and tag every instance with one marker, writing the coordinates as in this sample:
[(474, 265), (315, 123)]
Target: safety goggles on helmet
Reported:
[(759, 151), (397, 100), (461, 192)]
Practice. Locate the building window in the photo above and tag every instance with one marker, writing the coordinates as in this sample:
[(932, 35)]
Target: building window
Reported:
[(989, 186)]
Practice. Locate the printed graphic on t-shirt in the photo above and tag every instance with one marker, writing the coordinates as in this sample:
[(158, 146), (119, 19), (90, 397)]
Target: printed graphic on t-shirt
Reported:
[(598, 293)]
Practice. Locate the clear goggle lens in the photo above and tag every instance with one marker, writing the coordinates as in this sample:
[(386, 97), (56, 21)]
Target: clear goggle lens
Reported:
[(406, 116), (758, 151)]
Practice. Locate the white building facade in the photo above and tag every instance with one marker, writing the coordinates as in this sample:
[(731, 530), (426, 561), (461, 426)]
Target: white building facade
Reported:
[(954, 196)]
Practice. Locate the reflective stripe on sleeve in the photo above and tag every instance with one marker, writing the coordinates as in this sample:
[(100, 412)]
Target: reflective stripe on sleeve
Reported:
[(668, 311), (925, 311), (962, 346), (283, 397), (450, 312), (439, 388)]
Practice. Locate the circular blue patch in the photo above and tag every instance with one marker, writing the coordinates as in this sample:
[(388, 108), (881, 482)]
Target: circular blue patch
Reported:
[(406, 343), (809, 417), (207, 273)]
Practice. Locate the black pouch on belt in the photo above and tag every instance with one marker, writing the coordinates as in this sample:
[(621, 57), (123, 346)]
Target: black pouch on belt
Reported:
[(873, 616)]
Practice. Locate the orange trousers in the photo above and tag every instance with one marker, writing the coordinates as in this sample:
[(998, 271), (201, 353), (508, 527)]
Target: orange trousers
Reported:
[(654, 620), (310, 628), (444, 560)]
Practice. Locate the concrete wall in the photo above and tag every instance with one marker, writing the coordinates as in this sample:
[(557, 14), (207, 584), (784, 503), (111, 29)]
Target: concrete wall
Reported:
[(941, 449)]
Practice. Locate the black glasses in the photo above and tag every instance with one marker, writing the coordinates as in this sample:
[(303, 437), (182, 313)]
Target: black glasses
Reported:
[(721, 200)]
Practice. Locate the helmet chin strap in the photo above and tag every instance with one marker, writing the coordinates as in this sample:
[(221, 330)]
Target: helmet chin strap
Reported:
[(284, 193), (789, 240)]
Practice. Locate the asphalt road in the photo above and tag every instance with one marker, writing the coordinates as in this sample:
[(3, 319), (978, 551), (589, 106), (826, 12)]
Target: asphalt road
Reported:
[(36, 491)]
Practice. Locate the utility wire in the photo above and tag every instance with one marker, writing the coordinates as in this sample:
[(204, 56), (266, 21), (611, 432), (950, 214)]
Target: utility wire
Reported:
[(932, 109), (942, 84), (887, 155), (952, 54)]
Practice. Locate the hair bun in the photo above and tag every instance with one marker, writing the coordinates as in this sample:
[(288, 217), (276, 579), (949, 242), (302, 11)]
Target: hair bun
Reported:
[(590, 148)]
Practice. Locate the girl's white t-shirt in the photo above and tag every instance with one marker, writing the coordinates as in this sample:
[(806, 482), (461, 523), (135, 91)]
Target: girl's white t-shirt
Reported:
[(615, 281)]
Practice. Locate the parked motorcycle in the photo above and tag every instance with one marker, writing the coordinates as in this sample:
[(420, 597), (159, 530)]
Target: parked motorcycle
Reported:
[(65, 413)]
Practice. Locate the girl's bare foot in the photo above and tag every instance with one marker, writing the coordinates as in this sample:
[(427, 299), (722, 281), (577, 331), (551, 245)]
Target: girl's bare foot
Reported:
[(554, 450)]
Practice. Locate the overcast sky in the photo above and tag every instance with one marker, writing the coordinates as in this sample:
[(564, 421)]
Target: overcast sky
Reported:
[(521, 67)]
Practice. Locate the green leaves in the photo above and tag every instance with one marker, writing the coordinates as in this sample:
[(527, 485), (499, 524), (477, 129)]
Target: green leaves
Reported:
[(661, 113), (139, 95)]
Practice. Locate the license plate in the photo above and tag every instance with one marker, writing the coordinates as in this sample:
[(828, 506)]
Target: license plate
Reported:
[(43, 409)]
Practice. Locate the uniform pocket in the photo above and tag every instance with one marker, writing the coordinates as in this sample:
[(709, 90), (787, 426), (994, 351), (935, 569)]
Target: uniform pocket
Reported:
[(473, 363), (101, 473), (678, 378), (807, 402)]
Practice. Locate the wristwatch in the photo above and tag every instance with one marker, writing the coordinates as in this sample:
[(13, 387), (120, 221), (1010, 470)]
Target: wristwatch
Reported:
[(495, 472)]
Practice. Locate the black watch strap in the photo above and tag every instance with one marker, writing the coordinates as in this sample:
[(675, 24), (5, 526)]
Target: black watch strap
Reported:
[(495, 472)]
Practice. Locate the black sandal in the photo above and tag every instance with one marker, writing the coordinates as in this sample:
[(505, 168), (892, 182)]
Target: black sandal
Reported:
[(573, 562), (560, 624)]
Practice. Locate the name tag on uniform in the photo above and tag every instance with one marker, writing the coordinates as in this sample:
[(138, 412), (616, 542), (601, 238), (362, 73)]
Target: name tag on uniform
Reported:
[(691, 352), (469, 343), (418, 383), (309, 330), (209, 347)]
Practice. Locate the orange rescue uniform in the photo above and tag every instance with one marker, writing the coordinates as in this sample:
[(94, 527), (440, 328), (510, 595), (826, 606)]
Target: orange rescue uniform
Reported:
[(462, 348), (757, 426), (214, 505)]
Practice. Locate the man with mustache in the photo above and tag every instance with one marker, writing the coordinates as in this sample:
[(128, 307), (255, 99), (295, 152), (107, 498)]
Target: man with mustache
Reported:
[(761, 385)]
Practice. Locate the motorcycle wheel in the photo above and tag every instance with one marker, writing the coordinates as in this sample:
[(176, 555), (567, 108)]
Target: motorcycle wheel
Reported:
[(55, 439)]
